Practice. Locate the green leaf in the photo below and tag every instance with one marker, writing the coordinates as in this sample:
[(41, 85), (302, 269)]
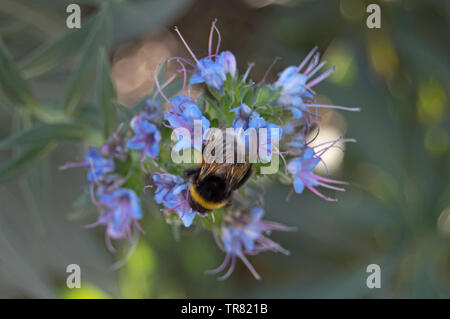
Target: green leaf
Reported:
[(263, 96), (83, 75), (106, 94), (21, 163), (12, 82), (43, 134), (126, 111), (134, 19), (48, 56)]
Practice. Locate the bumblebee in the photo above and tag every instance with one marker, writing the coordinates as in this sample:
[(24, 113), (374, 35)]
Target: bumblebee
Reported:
[(212, 183)]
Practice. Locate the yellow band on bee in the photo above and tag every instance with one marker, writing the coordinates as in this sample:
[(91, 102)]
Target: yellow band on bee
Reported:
[(203, 202)]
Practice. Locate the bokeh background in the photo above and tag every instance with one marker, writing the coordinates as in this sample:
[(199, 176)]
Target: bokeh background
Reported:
[(395, 213)]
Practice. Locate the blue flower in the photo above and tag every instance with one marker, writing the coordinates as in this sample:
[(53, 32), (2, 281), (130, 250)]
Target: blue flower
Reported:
[(245, 118), (122, 207), (302, 170), (213, 68), (97, 164), (147, 137), (183, 113), (246, 235), (242, 116), (152, 111), (115, 146), (213, 72), (296, 87), (172, 192)]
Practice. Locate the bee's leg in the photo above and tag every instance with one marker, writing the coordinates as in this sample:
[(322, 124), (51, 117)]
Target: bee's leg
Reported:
[(190, 172), (245, 178)]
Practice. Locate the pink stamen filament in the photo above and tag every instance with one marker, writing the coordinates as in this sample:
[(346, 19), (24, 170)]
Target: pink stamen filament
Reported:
[(320, 78), (219, 38), (317, 68), (247, 72), (184, 60), (183, 89), (329, 180), (221, 267), (108, 243), (331, 187), (230, 270), (312, 64), (338, 107), (186, 45), (211, 32), (249, 266), (306, 59), (315, 191)]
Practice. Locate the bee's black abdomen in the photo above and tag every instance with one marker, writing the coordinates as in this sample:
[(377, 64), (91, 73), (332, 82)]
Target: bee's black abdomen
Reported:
[(196, 206), (210, 192), (212, 189)]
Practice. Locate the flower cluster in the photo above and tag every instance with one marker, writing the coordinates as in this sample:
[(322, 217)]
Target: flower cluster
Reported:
[(119, 207), (140, 152)]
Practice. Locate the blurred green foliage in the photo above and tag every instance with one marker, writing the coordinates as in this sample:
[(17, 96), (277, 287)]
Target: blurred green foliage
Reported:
[(57, 95)]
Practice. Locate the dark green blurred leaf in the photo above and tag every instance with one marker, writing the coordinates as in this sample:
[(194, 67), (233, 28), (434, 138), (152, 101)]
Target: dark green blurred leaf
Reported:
[(49, 21), (106, 94), (45, 133), (82, 78), (21, 163), (13, 85), (132, 20), (50, 55)]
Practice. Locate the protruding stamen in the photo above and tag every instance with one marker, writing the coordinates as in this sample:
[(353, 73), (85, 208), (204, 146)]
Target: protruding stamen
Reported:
[(338, 107), (317, 68), (219, 38), (230, 270), (329, 180), (331, 187), (221, 267), (159, 86), (315, 191), (249, 266), (211, 32), (242, 91), (320, 78), (270, 68), (249, 68), (306, 59), (186, 45), (109, 245), (312, 64)]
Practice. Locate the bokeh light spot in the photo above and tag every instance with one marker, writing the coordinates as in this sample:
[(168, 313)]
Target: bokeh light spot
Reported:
[(436, 141), (431, 103)]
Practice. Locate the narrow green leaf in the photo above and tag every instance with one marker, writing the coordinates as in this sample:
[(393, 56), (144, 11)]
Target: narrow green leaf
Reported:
[(82, 78), (11, 80), (133, 19), (48, 56), (21, 163), (43, 134), (106, 94), (127, 114)]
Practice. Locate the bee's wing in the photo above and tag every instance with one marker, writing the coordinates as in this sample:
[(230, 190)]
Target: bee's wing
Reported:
[(238, 175), (234, 173)]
